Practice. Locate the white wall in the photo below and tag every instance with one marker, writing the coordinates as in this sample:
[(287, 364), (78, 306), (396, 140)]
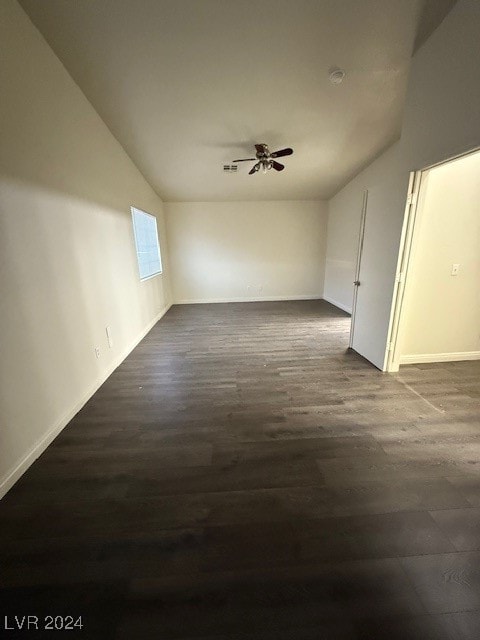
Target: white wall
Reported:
[(441, 312), (228, 251), (67, 259), (441, 119)]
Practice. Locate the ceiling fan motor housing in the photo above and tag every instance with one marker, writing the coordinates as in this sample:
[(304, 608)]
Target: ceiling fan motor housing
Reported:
[(262, 151)]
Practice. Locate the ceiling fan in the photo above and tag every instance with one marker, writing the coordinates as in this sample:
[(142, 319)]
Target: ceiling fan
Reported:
[(266, 160)]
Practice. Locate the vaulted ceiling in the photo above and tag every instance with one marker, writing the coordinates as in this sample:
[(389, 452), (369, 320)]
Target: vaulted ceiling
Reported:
[(187, 86)]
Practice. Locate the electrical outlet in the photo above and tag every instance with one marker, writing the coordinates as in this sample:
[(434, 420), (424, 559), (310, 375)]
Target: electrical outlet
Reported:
[(455, 269), (97, 352), (108, 331)]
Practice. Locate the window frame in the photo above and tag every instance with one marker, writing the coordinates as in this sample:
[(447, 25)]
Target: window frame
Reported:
[(133, 211)]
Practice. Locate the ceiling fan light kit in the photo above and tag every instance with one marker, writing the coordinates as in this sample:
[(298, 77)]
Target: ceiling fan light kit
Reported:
[(266, 159)]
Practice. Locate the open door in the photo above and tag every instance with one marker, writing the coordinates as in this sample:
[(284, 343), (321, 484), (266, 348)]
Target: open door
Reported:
[(357, 282), (392, 355)]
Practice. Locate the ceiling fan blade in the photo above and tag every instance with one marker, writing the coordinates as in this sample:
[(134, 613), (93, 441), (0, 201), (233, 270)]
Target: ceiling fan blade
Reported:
[(260, 148), (282, 152), (244, 160), (254, 169), (278, 166)]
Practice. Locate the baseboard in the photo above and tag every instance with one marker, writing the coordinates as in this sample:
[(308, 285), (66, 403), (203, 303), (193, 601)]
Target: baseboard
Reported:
[(7, 482), (248, 299), (440, 357), (335, 303)]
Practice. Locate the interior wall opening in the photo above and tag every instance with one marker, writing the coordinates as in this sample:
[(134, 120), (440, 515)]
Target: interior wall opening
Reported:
[(438, 311)]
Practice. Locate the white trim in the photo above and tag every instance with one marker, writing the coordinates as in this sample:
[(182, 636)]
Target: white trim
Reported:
[(7, 482), (335, 303), (457, 156), (153, 275), (391, 357), (247, 299), (455, 356)]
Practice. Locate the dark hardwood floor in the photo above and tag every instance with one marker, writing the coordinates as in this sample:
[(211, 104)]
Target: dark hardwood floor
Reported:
[(242, 475)]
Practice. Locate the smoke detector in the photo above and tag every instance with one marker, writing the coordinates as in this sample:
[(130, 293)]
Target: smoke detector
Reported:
[(336, 76)]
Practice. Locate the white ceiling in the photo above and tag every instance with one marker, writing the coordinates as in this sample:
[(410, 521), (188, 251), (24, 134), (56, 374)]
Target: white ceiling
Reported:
[(186, 86)]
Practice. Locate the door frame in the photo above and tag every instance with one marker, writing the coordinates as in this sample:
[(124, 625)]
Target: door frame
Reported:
[(356, 283), (392, 355), (409, 229)]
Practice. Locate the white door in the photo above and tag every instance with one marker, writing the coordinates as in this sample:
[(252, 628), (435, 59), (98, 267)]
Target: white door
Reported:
[(392, 356), (383, 230), (357, 282)]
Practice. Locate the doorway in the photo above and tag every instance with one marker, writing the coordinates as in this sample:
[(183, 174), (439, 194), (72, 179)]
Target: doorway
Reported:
[(436, 305)]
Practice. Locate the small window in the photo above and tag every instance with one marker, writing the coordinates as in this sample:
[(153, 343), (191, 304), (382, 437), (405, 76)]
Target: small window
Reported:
[(146, 242)]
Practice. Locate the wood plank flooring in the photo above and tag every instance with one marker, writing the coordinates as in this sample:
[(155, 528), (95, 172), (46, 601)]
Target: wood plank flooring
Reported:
[(243, 476)]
